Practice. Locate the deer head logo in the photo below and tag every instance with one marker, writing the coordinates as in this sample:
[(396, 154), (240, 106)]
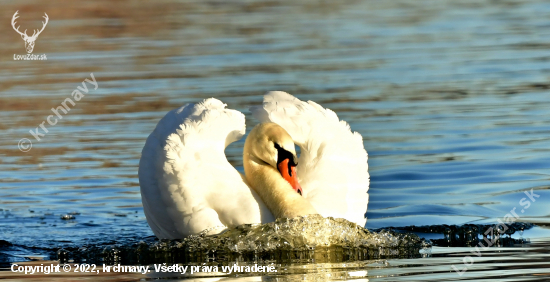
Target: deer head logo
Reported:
[(29, 40)]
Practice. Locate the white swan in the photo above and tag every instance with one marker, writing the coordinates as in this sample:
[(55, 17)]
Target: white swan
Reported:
[(188, 186)]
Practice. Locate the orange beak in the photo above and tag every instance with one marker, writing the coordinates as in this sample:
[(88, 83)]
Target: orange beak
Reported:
[(289, 174)]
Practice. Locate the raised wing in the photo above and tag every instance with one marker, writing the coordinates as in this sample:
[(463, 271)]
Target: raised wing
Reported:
[(332, 168), (187, 184)]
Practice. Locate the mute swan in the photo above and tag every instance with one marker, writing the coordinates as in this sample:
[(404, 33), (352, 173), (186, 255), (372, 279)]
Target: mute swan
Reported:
[(188, 186)]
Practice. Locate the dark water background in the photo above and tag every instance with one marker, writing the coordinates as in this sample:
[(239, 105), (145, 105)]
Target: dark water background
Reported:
[(451, 98)]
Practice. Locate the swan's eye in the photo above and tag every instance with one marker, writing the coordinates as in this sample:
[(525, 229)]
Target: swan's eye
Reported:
[(283, 154)]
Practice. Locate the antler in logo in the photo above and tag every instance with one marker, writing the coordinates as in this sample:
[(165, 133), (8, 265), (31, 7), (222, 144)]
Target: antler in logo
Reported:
[(29, 40)]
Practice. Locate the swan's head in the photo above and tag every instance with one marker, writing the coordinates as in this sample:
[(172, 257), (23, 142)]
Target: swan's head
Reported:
[(270, 144)]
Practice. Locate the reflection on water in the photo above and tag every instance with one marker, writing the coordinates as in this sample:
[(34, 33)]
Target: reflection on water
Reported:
[(451, 98)]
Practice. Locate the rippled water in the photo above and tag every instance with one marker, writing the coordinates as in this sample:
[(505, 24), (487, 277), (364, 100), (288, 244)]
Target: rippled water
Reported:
[(451, 97)]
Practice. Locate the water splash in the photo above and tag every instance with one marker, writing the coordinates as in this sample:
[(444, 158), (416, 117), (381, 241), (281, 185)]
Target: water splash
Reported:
[(301, 233), (308, 238)]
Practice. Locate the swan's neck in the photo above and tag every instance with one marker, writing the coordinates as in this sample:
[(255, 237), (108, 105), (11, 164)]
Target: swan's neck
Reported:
[(274, 190)]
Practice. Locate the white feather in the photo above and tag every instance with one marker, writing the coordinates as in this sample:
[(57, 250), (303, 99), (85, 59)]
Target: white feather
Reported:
[(332, 168), (187, 184)]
